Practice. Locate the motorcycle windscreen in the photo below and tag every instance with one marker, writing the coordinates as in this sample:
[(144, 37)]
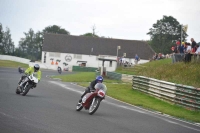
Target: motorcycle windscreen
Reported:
[(101, 86)]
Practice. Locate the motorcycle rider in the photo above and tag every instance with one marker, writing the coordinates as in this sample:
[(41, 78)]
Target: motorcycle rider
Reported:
[(59, 69), (35, 69), (99, 79)]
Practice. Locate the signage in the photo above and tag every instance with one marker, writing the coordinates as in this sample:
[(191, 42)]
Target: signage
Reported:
[(68, 58)]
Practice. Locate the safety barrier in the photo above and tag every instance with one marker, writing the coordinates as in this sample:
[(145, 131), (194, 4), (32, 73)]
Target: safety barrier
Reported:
[(181, 57), (83, 69), (127, 78), (113, 75), (186, 96)]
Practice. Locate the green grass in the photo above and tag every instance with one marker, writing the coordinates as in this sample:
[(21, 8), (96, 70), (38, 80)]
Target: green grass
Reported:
[(6, 63), (180, 73), (82, 77), (124, 92)]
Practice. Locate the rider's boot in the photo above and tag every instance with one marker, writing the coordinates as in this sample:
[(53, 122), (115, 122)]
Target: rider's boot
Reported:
[(80, 100)]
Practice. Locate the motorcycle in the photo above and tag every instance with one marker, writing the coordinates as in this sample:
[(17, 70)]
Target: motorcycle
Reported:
[(30, 82), (92, 100), (59, 70)]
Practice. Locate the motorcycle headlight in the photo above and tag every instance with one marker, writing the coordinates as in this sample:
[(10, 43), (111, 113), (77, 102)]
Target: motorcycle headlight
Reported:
[(101, 93)]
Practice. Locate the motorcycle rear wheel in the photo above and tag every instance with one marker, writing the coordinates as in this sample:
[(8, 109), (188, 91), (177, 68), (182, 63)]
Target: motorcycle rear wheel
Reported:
[(94, 106)]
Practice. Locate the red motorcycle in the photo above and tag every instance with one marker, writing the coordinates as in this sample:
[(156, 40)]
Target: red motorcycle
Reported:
[(91, 101)]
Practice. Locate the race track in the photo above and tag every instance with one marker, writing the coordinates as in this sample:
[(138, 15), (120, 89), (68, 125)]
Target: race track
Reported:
[(50, 108)]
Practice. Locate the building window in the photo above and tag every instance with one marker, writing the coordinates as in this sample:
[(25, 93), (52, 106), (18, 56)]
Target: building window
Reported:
[(51, 54), (77, 56)]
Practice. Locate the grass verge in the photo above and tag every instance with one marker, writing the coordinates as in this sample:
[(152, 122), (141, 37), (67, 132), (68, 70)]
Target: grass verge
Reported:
[(6, 63), (125, 93)]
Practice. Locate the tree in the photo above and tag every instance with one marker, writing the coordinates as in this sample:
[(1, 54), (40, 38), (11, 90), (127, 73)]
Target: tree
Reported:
[(93, 34), (55, 29), (28, 45), (8, 45), (31, 44), (1, 37), (165, 33), (1, 33), (90, 35), (39, 42)]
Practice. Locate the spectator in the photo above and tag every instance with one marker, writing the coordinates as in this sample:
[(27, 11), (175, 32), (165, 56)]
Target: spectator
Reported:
[(120, 61), (172, 48), (177, 47), (193, 45), (187, 53), (136, 59), (167, 56), (123, 60), (182, 48), (155, 57), (198, 50)]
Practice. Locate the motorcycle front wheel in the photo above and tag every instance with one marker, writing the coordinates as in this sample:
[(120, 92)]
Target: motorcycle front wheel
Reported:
[(26, 90), (94, 105), (18, 90), (79, 107)]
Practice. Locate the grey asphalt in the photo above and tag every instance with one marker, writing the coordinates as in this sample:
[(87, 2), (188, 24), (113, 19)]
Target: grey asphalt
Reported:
[(50, 108)]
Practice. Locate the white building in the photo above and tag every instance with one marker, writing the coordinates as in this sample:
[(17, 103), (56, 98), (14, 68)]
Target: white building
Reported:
[(59, 50)]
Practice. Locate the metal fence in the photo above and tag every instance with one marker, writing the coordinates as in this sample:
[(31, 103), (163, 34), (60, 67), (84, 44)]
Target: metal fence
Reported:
[(113, 75), (180, 57), (186, 96), (83, 69)]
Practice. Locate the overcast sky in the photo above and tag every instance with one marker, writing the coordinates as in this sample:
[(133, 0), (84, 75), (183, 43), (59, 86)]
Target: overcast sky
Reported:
[(122, 19)]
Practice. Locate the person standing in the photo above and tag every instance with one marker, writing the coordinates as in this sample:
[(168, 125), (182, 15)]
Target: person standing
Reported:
[(187, 53), (193, 45), (136, 59)]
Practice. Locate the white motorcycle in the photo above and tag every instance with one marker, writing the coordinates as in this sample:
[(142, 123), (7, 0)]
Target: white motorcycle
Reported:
[(29, 82)]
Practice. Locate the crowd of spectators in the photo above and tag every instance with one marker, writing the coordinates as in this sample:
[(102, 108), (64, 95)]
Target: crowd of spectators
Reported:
[(122, 61), (186, 49)]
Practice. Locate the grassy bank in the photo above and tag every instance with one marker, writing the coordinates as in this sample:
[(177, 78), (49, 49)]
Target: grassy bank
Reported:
[(180, 73), (124, 92), (6, 63)]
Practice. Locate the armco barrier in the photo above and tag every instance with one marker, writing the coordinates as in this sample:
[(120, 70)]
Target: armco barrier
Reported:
[(186, 96), (127, 78), (114, 75), (83, 69)]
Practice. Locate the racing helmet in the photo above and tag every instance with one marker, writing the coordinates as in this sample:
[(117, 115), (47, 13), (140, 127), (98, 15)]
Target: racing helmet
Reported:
[(99, 78), (36, 67)]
